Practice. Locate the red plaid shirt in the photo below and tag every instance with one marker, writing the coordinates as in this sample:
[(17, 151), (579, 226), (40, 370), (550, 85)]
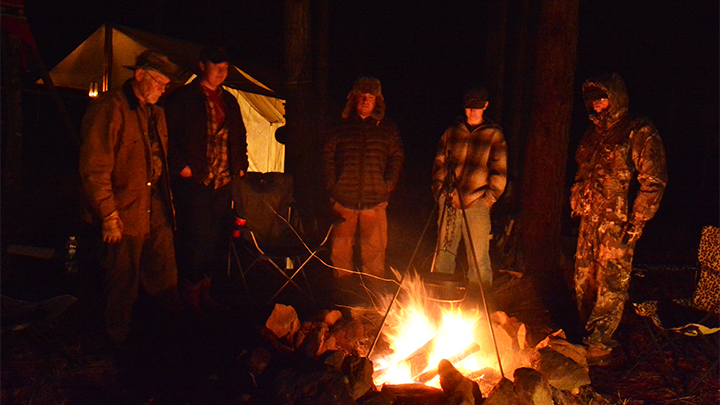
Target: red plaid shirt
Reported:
[(217, 136)]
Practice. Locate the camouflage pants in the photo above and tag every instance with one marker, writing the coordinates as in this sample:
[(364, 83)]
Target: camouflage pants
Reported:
[(602, 276)]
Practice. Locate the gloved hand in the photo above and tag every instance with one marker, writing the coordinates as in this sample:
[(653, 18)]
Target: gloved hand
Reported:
[(631, 233), (112, 228)]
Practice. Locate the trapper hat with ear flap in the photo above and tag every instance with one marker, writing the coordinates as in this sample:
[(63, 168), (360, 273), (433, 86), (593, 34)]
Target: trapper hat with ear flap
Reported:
[(366, 85), (158, 62)]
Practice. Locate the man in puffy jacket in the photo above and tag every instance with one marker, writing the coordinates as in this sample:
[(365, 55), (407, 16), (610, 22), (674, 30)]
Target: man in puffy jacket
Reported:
[(469, 175), (615, 151), (363, 158)]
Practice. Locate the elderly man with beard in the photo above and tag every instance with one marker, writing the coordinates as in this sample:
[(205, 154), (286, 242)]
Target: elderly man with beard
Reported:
[(615, 151), (124, 174)]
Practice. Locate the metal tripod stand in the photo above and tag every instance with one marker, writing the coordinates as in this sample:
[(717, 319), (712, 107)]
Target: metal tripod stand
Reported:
[(449, 186)]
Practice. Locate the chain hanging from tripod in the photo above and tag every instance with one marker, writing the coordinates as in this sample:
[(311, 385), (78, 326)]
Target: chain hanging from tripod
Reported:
[(450, 218)]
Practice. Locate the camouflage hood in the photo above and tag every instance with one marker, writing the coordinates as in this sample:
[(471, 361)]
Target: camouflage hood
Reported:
[(613, 86)]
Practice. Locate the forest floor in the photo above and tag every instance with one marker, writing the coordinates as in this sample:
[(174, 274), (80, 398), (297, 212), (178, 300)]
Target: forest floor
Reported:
[(65, 360)]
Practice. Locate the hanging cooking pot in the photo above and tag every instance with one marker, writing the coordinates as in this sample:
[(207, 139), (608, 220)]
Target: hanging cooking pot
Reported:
[(446, 287)]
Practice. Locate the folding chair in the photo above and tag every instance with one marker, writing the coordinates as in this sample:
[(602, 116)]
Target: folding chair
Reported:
[(269, 230)]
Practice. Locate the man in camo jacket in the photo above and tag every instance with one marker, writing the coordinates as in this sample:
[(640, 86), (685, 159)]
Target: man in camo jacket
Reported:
[(615, 150)]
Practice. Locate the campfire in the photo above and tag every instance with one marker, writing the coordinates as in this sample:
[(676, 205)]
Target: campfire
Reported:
[(420, 331), (424, 349)]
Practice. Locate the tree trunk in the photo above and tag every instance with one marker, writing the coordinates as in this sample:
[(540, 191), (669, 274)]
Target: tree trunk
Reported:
[(547, 144), (12, 124), (300, 135), (495, 55)]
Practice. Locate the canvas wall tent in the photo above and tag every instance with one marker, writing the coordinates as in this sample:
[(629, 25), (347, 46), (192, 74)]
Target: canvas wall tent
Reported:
[(114, 46)]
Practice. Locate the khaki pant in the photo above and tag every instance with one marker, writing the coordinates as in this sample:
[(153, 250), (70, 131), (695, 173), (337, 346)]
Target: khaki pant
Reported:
[(372, 224)]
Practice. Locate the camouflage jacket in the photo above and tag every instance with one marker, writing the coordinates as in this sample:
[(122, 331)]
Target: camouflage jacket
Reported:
[(614, 151)]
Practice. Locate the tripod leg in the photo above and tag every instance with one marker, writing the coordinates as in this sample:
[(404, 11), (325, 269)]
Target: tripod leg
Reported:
[(482, 288), (440, 223)]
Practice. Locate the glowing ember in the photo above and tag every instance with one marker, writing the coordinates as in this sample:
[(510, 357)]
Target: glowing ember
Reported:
[(421, 332)]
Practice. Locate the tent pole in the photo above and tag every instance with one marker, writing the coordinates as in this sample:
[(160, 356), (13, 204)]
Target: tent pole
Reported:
[(108, 60), (64, 115)]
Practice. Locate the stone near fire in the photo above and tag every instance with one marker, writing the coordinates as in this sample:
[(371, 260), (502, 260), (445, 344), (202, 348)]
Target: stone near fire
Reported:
[(459, 389), (561, 371), (314, 342), (321, 386), (333, 359), (331, 317), (348, 335), (561, 397), (514, 329), (359, 372), (259, 361), (502, 394), (283, 320), (557, 342), (531, 387)]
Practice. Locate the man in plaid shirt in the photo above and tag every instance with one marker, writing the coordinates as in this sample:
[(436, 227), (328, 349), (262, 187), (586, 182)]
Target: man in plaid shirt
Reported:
[(208, 147), (469, 176)]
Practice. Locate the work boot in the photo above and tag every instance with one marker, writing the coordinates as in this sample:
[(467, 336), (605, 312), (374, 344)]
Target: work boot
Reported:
[(598, 355), (191, 298), (207, 302)]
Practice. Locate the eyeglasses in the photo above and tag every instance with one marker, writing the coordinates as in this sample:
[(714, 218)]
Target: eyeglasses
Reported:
[(163, 85)]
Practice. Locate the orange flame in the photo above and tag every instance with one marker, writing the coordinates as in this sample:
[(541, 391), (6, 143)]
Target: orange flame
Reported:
[(420, 332)]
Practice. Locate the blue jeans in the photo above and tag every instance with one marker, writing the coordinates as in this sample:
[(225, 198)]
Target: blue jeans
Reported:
[(452, 229)]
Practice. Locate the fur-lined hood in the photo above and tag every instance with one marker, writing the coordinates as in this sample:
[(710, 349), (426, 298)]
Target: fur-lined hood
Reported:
[(364, 85)]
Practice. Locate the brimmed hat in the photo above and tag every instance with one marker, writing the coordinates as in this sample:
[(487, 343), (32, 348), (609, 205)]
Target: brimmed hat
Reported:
[(214, 54), (475, 98), (158, 62)]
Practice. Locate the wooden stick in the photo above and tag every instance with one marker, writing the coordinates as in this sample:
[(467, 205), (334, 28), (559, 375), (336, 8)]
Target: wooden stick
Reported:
[(468, 351)]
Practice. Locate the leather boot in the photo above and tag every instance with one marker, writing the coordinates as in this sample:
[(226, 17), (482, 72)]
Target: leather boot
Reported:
[(191, 298), (207, 302)]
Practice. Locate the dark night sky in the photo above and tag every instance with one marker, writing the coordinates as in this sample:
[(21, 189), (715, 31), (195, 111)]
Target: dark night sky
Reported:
[(426, 52)]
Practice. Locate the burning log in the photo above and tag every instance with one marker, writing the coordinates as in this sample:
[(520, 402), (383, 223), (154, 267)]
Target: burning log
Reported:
[(411, 394), (468, 351), (419, 360)]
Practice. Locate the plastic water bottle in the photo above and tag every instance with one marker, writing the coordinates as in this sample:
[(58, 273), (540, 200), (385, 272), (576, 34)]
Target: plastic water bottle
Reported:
[(71, 266)]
